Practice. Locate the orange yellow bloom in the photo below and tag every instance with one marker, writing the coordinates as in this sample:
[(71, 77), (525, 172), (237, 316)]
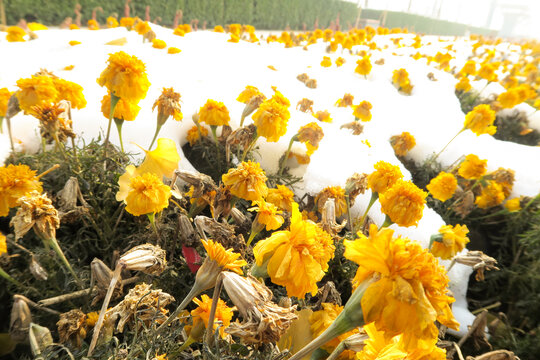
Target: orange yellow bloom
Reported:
[(246, 181), (296, 258), (409, 292), (3, 245), (443, 186), (384, 176), (487, 71), (400, 79), (402, 143), (326, 62), (403, 203), (193, 134), (271, 119), (450, 241), (492, 195), (282, 197), (226, 259), (35, 91), (124, 110), (93, 24), (4, 98), (267, 215), (127, 22), (214, 113), (15, 182), (247, 94), (480, 120), (362, 111), (201, 314), (363, 66), (125, 77), (509, 99), (69, 91), (147, 195), (469, 68), (142, 27), (472, 167), (173, 50), (112, 22), (513, 204), (463, 84), (159, 44), (378, 347), (15, 34)]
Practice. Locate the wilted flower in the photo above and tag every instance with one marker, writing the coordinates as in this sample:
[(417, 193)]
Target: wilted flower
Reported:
[(248, 93), (478, 261), (400, 79), (480, 120), (246, 181), (310, 134), (492, 195), (402, 143), (356, 127), (472, 167), (347, 100), (148, 258), (403, 203), (15, 182), (449, 241), (36, 211), (168, 104), (72, 327), (332, 192), (323, 116), (362, 111), (443, 186)]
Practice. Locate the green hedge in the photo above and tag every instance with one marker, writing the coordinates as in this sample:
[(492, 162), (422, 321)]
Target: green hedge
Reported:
[(263, 14)]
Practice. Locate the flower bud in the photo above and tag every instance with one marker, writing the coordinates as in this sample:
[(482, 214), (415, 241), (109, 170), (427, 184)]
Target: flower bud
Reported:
[(147, 258), (19, 322), (37, 270), (40, 337)]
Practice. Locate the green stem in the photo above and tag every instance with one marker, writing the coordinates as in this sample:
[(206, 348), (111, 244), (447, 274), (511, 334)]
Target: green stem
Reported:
[(2, 122), (56, 247), (387, 222), (187, 344), (251, 237), (152, 218), (119, 123), (478, 94), (6, 276), (349, 218), (8, 121), (430, 161), (195, 290), (114, 102), (60, 146), (213, 128), (284, 161), (158, 128)]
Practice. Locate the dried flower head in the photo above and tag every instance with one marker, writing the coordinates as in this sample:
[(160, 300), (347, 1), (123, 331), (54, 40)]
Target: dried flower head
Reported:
[(310, 134), (16, 181), (332, 192), (443, 186), (305, 105), (323, 116), (147, 258), (355, 126), (403, 203), (102, 276), (402, 143), (20, 319), (72, 327), (246, 181), (347, 100), (357, 184), (36, 211), (449, 241), (168, 104), (505, 178), (478, 261)]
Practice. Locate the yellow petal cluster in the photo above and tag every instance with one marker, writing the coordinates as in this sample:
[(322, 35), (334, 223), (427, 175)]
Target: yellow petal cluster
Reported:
[(193, 134), (443, 186), (248, 93), (4, 98), (400, 79), (410, 291), (402, 143), (246, 181), (226, 259), (454, 239), (271, 119), (15, 182), (362, 111), (3, 245), (463, 84), (363, 66), (384, 176), (282, 197), (222, 317), (296, 258), (112, 22), (15, 34), (214, 113), (159, 44), (480, 120), (310, 134), (124, 110), (379, 347), (147, 195), (267, 215), (34, 91), (403, 203), (472, 167), (69, 91), (326, 62), (492, 195), (125, 76), (513, 204)]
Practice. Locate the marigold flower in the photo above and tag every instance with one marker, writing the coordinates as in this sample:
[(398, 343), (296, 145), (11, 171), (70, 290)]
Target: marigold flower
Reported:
[(271, 119), (347, 100), (469, 68), (267, 215), (363, 66), (15, 182), (403, 203), (93, 24), (53, 125), (193, 134), (127, 22), (125, 77), (402, 143), (15, 34), (124, 110), (147, 195), (142, 27), (320, 320), (34, 26), (214, 113), (443, 186), (246, 94), (450, 241), (332, 192), (409, 293), (513, 204), (73, 27), (36, 211), (225, 259), (400, 79), (463, 84), (74, 42), (112, 22), (472, 167), (492, 195), (362, 111), (246, 181), (168, 104), (159, 44), (323, 116), (71, 92), (480, 120), (384, 176), (340, 61), (34, 91), (310, 134), (487, 71), (201, 314), (326, 62), (282, 197), (173, 50), (4, 98), (509, 99), (379, 347), (219, 28), (296, 258), (3, 245)]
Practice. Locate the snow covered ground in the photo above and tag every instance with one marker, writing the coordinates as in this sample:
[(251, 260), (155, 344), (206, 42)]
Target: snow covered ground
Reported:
[(209, 67)]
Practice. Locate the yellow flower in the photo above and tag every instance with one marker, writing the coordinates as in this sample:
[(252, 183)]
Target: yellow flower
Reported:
[(92, 318), (74, 42), (469, 68), (112, 22), (296, 258), (234, 38), (93, 24), (332, 192), (347, 100), (142, 27), (15, 34), (124, 110), (168, 104), (384, 176), (73, 27), (125, 77), (225, 259), (173, 50), (35, 91), (147, 195), (326, 62), (267, 214), (378, 347), (282, 197), (271, 119), (4, 98), (363, 66), (403, 203), (15, 182), (248, 93), (280, 98), (323, 116), (410, 291), (513, 204), (492, 195), (127, 22), (310, 134), (69, 91), (463, 84), (246, 181), (480, 120), (219, 28), (34, 26), (3, 245), (214, 113), (509, 99), (224, 314), (362, 111), (320, 320), (400, 79), (159, 44), (472, 167), (193, 134), (452, 241), (443, 186), (402, 143), (340, 61), (487, 71)]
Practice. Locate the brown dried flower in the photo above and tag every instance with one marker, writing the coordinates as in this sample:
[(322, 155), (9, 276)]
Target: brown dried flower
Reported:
[(72, 327), (311, 83), (102, 276), (36, 211), (305, 105), (148, 258), (356, 185), (303, 77), (355, 126), (478, 261)]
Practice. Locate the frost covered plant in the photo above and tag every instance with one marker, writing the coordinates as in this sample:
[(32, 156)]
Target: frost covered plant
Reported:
[(246, 181), (449, 241), (402, 143), (296, 258), (443, 186), (403, 203), (168, 104)]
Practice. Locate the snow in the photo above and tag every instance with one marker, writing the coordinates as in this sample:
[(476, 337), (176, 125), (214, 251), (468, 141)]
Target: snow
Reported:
[(211, 67)]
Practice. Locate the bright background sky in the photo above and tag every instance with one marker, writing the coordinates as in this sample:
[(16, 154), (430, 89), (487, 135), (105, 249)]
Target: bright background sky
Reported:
[(470, 12)]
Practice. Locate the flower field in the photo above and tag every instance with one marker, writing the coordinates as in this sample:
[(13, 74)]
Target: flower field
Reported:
[(322, 194)]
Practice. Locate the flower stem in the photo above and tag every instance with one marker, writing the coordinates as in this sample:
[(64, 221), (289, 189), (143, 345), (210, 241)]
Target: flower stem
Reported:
[(349, 218), (8, 122), (56, 247), (284, 161), (387, 222), (2, 121), (114, 101), (215, 299), (152, 218), (251, 237), (119, 123), (195, 290), (187, 344), (6, 276), (430, 161), (158, 128)]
